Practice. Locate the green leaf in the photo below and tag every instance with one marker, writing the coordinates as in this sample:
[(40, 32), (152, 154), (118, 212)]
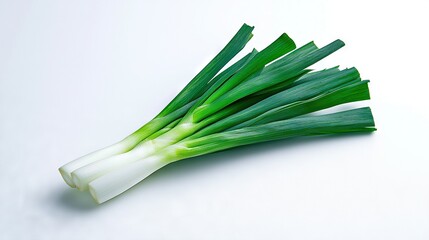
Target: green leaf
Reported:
[(357, 91), (279, 47), (191, 91), (297, 93), (264, 81), (356, 120)]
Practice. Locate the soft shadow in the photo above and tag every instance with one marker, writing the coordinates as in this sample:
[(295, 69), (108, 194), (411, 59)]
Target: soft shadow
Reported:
[(75, 200)]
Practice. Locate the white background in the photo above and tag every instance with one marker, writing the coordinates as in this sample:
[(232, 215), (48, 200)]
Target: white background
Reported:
[(78, 75)]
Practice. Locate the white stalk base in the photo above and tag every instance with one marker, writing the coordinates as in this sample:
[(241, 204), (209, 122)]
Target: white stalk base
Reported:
[(114, 183), (109, 151), (84, 175)]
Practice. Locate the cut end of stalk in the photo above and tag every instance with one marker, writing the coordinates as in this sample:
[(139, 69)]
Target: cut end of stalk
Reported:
[(80, 185), (245, 25), (289, 41), (67, 177)]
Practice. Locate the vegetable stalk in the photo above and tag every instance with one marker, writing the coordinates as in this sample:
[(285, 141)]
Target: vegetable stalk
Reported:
[(113, 184), (264, 96), (176, 108)]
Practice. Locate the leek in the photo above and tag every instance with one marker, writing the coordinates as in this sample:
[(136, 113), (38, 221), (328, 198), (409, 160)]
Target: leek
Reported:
[(264, 96), (115, 183), (176, 108)]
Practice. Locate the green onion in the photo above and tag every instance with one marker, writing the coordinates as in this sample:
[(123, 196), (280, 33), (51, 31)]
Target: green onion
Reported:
[(176, 108), (257, 60), (262, 97), (113, 184)]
